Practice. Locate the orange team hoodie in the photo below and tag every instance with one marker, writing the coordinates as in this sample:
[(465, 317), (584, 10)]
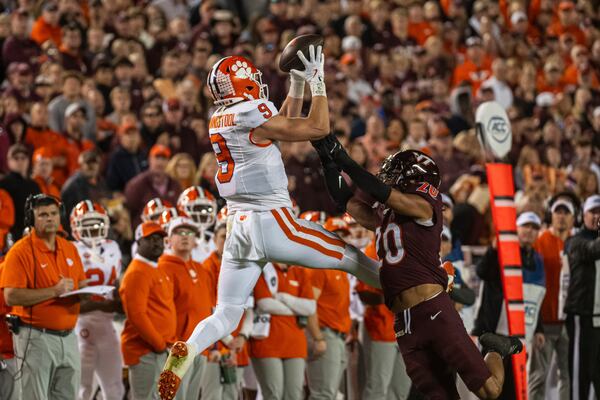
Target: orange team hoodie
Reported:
[(151, 324), (192, 289)]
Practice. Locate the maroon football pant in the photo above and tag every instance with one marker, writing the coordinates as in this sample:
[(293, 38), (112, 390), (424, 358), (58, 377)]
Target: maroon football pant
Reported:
[(435, 346)]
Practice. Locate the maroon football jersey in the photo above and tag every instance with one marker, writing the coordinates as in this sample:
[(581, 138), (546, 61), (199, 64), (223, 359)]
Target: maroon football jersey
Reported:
[(409, 249)]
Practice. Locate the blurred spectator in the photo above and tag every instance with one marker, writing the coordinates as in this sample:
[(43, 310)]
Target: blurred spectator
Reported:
[(74, 143), (7, 220), (182, 137), (567, 22), (550, 246), (86, 183), (374, 142), (155, 182), (20, 78), (127, 159), (451, 162), (40, 135), (152, 129), (502, 91), (182, 169), (46, 26), (120, 101), (583, 252), (71, 93), (18, 185), (351, 67), (490, 316), (41, 171), (71, 54), (19, 47), (476, 68)]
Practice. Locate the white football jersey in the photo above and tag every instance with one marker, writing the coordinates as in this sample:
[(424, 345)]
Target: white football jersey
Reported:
[(102, 264), (250, 176)]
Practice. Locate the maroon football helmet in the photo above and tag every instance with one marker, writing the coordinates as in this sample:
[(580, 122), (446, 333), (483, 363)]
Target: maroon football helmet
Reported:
[(404, 167)]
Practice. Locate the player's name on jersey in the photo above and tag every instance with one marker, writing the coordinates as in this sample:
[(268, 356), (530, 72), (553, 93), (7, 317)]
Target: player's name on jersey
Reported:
[(222, 121)]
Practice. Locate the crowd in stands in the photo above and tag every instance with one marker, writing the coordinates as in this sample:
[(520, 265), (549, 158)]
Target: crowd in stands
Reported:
[(106, 100)]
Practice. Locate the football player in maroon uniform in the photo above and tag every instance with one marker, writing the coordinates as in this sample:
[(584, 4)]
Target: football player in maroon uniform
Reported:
[(408, 226)]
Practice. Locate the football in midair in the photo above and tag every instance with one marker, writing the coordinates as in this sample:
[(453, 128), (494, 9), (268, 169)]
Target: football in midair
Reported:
[(289, 58)]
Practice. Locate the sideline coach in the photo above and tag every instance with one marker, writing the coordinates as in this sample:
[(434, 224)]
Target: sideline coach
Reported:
[(583, 303), (38, 268)]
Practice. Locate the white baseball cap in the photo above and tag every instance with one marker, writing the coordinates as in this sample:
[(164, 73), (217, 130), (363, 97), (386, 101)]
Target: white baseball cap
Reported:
[(350, 43), (517, 16), (564, 203), (591, 202), (179, 222), (529, 217)]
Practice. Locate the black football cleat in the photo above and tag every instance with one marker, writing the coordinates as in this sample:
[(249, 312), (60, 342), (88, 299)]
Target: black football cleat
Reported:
[(503, 345)]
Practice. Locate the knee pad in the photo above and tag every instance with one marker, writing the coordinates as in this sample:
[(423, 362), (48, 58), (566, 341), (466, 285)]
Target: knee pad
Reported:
[(228, 316)]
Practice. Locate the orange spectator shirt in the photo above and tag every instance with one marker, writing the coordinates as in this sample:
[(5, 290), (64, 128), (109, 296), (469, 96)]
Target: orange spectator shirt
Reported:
[(192, 288), (21, 264), (42, 31), (56, 142), (571, 77), (333, 305), (420, 31), (550, 248), (147, 295), (286, 339), (7, 215), (6, 343), (468, 71), (47, 187), (379, 320), (557, 29)]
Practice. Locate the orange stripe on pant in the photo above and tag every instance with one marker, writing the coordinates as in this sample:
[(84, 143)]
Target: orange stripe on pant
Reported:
[(312, 232), (303, 241)]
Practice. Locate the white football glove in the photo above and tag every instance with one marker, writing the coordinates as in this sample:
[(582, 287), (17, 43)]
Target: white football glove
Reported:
[(313, 72), (296, 84)]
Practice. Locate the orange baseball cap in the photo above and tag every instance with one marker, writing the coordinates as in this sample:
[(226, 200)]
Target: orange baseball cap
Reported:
[(566, 5), (147, 229), (159, 150), (126, 127), (42, 152), (348, 59)]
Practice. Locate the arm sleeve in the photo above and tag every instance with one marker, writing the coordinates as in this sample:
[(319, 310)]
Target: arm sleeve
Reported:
[(337, 187), (487, 268), (272, 306), (298, 305), (134, 293), (362, 178)]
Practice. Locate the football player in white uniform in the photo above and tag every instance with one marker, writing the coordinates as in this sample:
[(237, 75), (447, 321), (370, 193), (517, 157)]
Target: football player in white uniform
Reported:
[(200, 205), (251, 177), (98, 341)]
